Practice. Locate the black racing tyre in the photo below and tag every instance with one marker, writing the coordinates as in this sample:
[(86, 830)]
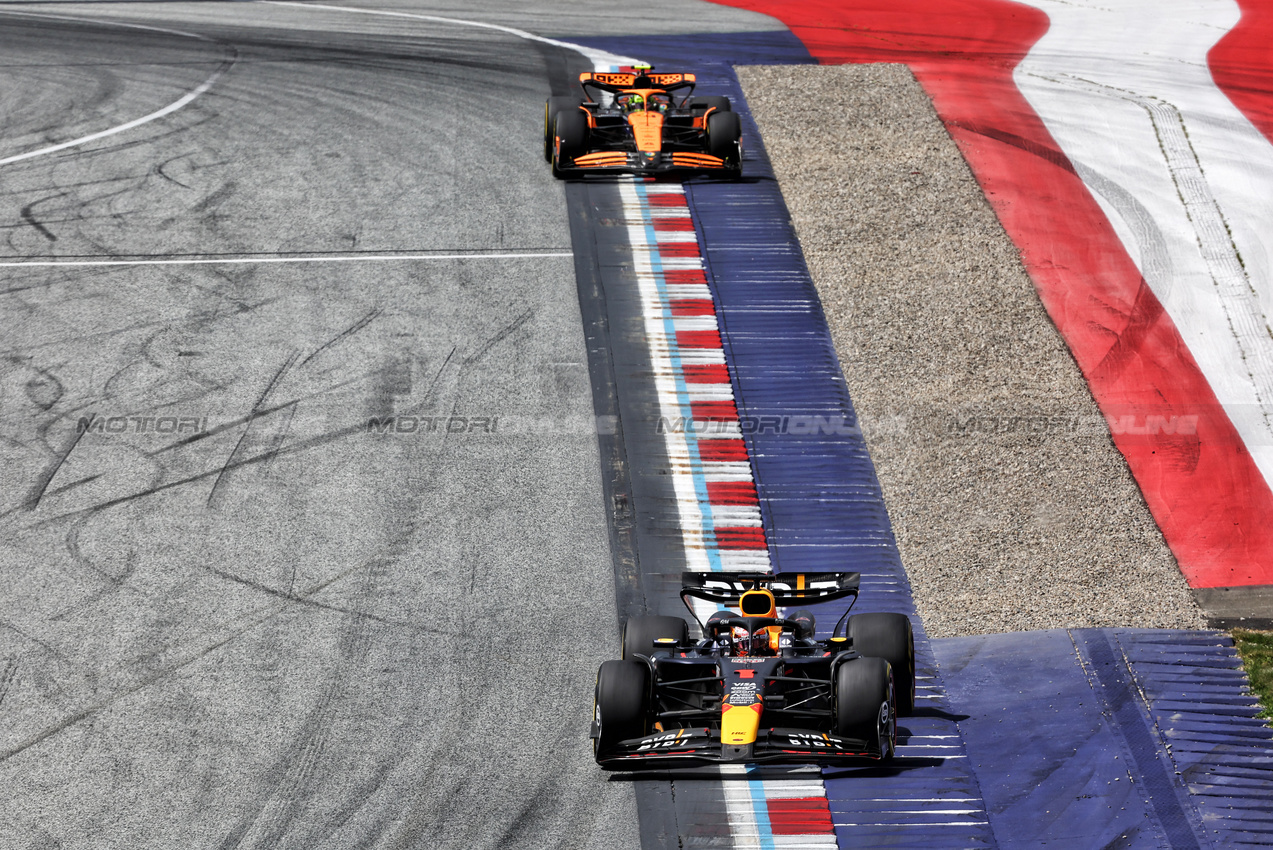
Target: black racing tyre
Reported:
[(724, 129), (620, 706), (710, 102), (864, 703), (551, 107), (888, 636), (571, 126), (640, 633)]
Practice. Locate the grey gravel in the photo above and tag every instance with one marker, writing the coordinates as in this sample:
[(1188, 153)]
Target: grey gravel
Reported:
[(1013, 509)]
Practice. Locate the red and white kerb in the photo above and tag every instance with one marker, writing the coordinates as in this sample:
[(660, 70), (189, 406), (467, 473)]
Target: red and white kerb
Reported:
[(712, 477), (716, 500)]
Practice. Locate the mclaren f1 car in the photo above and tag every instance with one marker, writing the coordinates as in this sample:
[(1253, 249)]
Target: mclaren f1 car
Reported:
[(757, 687), (641, 123)]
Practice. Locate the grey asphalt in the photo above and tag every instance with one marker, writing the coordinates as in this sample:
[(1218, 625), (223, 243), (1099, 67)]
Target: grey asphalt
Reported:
[(233, 616)]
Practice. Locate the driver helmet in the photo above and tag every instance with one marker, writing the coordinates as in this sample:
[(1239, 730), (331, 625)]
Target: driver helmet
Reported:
[(635, 103)]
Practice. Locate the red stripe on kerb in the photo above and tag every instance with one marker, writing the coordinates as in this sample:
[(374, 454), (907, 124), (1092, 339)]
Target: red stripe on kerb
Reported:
[(692, 307), (684, 276), (679, 249), (675, 224), (1205, 492), (743, 537), (722, 450), (732, 493), (713, 373), (698, 339), (714, 411), (666, 200), (1242, 64), (800, 816)]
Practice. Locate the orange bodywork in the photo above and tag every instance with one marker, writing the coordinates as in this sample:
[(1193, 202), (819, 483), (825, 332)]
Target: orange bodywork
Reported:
[(647, 123), (644, 98), (629, 79), (602, 159), (647, 131)]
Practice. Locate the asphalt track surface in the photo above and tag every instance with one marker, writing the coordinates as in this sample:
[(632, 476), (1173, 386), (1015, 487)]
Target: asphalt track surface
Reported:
[(234, 617)]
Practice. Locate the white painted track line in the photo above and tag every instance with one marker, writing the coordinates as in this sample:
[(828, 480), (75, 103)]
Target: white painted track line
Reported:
[(355, 258), (600, 58), (184, 100)]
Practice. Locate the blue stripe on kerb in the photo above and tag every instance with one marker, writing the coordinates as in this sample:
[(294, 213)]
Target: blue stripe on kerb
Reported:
[(682, 392), (1050, 776), (760, 804)]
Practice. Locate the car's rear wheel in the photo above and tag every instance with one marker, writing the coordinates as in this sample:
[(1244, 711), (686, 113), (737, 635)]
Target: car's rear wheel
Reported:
[(864, 706), (620, 706), (710, 102), (724, 131), (888, 636), (640, 633), (551, 108)]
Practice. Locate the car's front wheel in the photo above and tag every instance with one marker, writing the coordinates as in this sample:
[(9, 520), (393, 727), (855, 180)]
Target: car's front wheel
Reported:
[(864, 703), (724, 136), (551, 108), (570, 129), (620, 705)]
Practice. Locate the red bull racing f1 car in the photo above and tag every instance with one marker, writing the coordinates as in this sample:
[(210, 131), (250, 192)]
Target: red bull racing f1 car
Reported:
[(641, 123), (758, 687)]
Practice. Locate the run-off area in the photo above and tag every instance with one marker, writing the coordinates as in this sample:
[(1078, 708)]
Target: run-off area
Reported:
[(1012, 508)]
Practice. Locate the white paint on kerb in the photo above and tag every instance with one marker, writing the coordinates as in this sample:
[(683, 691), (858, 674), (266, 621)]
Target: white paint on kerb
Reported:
[(1183, 177)]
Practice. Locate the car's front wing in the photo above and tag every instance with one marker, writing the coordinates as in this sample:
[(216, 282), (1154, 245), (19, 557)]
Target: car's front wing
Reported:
[(699, 746), (628, 162)]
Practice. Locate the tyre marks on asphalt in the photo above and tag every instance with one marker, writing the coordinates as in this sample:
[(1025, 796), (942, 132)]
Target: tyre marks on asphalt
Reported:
[(227, 62), (305, 647), (248, 420)]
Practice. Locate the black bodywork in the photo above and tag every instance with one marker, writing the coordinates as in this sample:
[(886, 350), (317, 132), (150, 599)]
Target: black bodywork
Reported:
[(795, 687)]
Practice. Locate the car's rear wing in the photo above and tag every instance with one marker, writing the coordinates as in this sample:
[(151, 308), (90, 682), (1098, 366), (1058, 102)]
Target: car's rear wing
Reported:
[(616, 82), (787, 588)]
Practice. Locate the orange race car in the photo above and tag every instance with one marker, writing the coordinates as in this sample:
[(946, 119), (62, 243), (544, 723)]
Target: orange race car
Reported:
[(641, 123)]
